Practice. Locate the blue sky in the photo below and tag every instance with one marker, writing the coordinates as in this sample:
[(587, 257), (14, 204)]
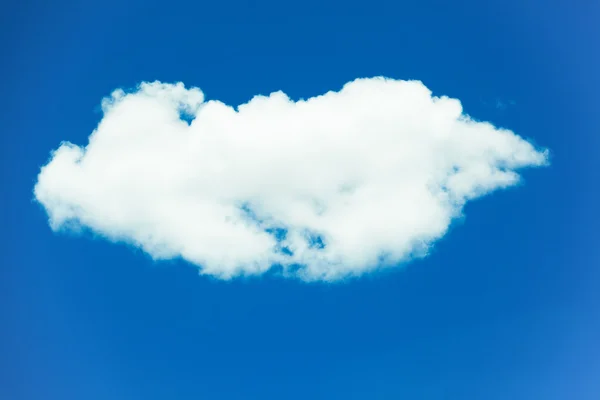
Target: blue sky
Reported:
[(505, 306)]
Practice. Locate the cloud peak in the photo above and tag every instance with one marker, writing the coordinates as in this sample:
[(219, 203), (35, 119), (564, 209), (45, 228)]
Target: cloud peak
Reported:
[(328, 187)]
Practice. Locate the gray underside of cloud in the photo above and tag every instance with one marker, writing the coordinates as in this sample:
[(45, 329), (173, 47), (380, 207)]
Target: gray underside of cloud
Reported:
[(324, 188)]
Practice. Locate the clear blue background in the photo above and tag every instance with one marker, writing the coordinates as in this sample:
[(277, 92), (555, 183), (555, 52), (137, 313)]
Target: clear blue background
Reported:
[(507, 306)]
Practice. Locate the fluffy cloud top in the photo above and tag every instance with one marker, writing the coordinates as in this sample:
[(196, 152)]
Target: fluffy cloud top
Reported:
[(325, 188)]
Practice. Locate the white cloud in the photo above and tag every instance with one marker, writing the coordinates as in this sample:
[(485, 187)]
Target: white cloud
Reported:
[(328, 187)]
